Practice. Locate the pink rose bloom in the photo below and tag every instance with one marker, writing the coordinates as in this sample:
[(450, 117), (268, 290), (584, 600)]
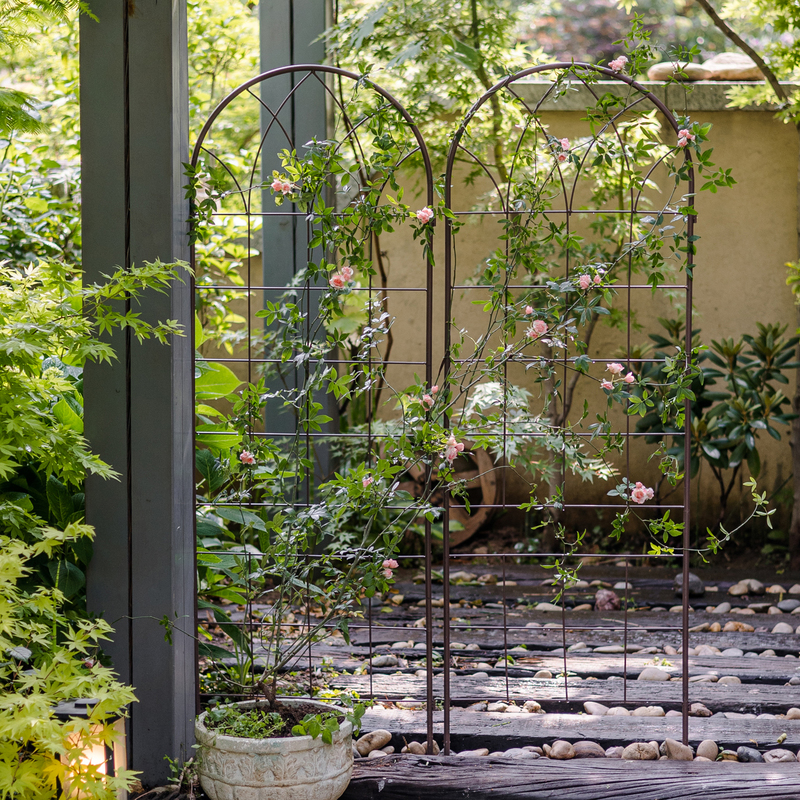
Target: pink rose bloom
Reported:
[(640, 493), (337, 281), (452, 449), (424, 214), (607, 385), (246, 457), (276, 185), (387, 573), (684, 134), (390, 563), (564, 143), (434, 389), (562, 157), (287, 187), (427, 400), (528, 310), (618, 64), (614, 369), (630, 378), (539, 327), (347, 273), (585, 281), (365, 482), (598, 280), (682, 142)]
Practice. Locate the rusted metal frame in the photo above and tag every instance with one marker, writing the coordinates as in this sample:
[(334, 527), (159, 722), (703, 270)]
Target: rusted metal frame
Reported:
[(644, 94), (687, 462), (447, 366), (306, 291)]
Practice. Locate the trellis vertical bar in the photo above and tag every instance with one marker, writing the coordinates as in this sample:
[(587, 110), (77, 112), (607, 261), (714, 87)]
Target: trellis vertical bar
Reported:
[(505, 633), (564, 629), (625, 640), (687, 464), (429, 699)]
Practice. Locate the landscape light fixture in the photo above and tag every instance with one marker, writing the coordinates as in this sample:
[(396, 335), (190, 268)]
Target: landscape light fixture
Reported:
[(108, 759)]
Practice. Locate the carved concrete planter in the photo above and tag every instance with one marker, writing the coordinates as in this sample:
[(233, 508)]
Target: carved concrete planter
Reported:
[(290, 768)]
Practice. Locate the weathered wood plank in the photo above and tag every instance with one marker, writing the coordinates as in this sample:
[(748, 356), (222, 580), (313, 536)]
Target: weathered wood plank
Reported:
[(765, 699), (500, 731), (762, 670), (420, 778), (593, 628)]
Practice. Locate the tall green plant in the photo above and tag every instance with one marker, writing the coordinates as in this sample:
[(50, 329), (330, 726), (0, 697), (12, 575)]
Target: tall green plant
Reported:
[(50, 651)]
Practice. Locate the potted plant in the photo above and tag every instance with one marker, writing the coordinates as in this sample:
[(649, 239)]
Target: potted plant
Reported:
[(246, 754)]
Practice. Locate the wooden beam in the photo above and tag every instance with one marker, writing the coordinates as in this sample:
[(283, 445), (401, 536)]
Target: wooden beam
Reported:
[(420, 778), (471, 729)]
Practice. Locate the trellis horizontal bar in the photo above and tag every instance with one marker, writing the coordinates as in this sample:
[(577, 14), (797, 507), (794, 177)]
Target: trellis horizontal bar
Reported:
[(570, 360), (304, 288), (498, 434), (481, 626), (515, 555), (363, 362), (544, 288), (411, 509), (377, 360), (417, 556), (623, 212)]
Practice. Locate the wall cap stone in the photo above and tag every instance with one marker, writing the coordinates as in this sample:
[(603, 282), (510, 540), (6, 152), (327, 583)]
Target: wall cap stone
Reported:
[(684, 97)]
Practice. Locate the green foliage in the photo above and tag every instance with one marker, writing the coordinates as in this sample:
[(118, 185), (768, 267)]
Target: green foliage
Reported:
[(49, 649), (230, 719), (780, 49), (39, 203), (19, 22), (590, 30), (48, 658), (734, 397), (248, 723)]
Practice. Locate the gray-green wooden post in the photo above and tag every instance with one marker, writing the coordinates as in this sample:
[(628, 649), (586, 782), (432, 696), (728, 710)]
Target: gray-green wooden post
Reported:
[(290, 34), (134, 128)]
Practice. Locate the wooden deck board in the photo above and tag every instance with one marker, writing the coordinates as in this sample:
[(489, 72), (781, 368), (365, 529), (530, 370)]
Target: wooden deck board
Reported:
[(422, 778), (471, 729), (551, 696)]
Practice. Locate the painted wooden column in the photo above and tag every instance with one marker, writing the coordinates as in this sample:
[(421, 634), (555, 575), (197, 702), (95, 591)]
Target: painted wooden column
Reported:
[(290, 34), (139, 410)]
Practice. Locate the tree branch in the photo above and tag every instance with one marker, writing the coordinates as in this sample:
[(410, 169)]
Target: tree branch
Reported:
[(771, 77)]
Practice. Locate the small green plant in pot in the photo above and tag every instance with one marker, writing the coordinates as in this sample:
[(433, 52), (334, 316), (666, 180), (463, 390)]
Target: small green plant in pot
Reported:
[(303, 752)]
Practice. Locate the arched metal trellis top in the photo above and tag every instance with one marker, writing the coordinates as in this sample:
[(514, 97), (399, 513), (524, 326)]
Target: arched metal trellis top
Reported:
[(446, 372), (315, 70)]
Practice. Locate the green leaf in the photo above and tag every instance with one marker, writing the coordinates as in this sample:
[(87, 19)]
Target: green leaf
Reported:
[(59, 499), (208, 650), (64, 413), (462, 53), (211, 469), (754, 463), (242, 516), (215, 382), (218, 437), (199, 333), (36, 205), (67, 577)]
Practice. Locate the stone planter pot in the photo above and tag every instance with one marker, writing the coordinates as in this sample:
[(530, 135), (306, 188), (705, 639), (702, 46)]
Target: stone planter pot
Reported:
[(288, 768)]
